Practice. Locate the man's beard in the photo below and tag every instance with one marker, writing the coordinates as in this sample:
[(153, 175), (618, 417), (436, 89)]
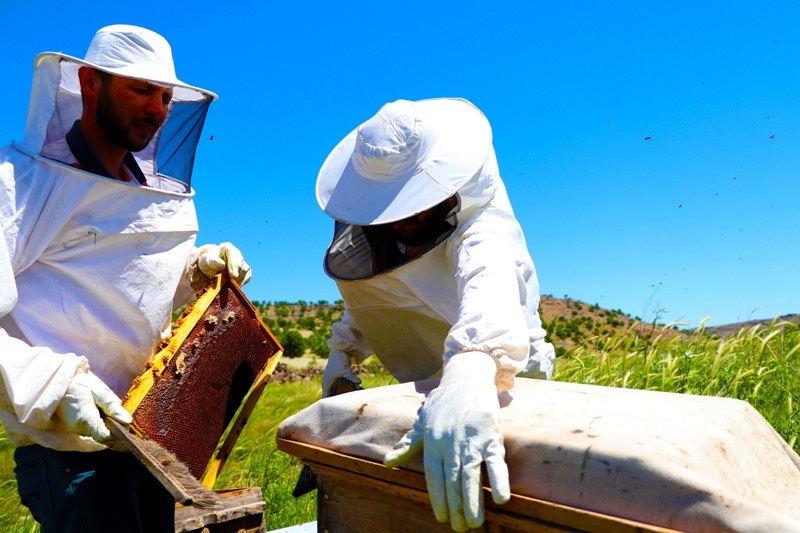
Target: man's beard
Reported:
[(107, 116)]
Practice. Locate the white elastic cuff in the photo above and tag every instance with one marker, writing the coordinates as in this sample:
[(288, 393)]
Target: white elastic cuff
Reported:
[(469, 366)]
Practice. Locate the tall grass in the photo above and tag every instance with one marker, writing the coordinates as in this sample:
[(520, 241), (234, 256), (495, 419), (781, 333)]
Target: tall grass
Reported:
[(14, 518), (759, 365)]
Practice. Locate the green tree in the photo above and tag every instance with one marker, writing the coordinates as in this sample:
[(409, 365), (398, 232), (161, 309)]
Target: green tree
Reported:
[(294, 345), (318, 344), (307, 322)]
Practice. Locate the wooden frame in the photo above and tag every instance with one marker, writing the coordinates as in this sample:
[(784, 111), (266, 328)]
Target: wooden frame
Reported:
[(242, 512), (205, 447), (359, 496)]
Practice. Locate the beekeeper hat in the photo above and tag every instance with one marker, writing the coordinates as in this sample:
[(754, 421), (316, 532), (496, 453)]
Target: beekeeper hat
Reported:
[(134, 52), (407, 158)]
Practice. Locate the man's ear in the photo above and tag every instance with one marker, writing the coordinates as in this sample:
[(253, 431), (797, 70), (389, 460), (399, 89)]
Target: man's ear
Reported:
[(89, 81)]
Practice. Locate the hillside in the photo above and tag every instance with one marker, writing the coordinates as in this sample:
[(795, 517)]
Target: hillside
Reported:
[(569, 322), (732, 329), (303, 327)]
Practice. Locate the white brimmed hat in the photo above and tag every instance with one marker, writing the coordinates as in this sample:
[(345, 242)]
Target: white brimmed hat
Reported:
[(407, 158), (133, 52)]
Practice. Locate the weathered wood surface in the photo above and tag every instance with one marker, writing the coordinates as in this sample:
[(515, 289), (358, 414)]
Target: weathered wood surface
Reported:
[(242, 512), (360, 496)]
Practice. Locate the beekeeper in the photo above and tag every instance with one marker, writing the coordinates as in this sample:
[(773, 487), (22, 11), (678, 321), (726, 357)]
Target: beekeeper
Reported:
[(97, 249), (437, 280)]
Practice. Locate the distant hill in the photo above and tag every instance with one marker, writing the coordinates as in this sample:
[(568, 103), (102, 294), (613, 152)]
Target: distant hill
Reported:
[(568, 322), (732, 329), (303, 329)]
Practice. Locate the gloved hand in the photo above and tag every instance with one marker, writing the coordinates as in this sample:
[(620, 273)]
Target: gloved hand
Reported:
[(458, 427), (338, 366), (78, 408), (212, 258)]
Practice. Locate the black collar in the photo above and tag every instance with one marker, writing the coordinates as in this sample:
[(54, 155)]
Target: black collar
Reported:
[(88, 160)]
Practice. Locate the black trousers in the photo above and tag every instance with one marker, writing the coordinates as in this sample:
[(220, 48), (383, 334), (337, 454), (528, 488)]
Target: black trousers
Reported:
[(91, 492)]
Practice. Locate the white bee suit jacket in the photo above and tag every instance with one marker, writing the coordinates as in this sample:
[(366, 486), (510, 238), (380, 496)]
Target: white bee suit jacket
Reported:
[(476, 290), (90, 270)]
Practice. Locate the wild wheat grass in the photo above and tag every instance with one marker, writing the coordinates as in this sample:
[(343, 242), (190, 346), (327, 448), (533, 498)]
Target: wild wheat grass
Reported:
[(758, 365)]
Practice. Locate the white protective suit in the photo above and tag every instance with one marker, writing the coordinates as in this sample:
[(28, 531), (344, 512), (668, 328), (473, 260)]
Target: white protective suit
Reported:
[(476, 290), (91, 268)]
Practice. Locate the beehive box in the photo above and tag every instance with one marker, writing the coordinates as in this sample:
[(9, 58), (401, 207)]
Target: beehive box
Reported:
[(580, 457), (359, 496)]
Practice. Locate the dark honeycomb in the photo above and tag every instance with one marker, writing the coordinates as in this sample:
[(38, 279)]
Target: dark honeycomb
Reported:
[(205, 382)]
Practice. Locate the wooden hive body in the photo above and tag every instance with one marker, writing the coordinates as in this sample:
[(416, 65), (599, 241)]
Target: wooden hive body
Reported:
[(580, 458)]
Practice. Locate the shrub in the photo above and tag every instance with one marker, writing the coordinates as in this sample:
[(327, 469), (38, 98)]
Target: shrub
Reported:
[(294, 345), (318, 344), (307, 322)]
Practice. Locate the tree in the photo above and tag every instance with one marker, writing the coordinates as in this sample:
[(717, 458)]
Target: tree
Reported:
[(307, 322), (294, 345), (318, 344)]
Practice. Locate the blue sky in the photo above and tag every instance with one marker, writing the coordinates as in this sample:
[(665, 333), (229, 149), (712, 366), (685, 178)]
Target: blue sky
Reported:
[(651, 149)]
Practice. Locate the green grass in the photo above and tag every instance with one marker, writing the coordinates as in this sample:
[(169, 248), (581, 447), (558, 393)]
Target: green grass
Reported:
[(256, 462), (760, 365), (14, 518)]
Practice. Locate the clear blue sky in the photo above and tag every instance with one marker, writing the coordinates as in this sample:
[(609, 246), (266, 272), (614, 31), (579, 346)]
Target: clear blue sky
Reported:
[(651, 149)]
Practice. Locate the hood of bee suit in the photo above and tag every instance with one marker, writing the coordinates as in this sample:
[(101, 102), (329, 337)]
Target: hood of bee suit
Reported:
[(132, 52)]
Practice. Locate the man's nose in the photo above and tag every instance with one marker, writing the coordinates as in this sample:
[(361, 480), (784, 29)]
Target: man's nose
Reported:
[(156, 106)]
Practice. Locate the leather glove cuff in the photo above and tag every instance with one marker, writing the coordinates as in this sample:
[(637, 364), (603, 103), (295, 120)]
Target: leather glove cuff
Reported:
[(338, 366)]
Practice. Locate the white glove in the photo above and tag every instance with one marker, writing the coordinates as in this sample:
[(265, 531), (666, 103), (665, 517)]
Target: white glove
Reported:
[(78, 408), (213, 258), (459, 424), (338, 366)]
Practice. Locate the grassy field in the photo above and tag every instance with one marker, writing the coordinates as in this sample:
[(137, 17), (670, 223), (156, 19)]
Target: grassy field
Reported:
[(759, 365)]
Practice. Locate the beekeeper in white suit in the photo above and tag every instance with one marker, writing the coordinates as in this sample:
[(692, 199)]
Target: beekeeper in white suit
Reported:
[(97, 249), (437, 280)]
